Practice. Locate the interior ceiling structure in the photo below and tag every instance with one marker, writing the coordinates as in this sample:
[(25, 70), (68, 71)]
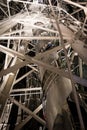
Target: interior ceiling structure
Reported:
[(43, 65)]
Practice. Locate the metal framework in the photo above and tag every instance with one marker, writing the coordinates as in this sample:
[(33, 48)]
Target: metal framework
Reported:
[(38, 25)]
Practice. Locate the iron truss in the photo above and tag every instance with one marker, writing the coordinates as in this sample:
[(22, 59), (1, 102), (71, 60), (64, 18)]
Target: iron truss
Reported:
[(45, 39)]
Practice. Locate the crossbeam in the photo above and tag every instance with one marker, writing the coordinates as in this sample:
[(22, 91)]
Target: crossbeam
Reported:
[(13, 68), (26, 89), (19, 126), (27, 30), (28, 111), (22, 77), (47, 66), (77, 5), (67, 1), (32, 38), (11, 52)]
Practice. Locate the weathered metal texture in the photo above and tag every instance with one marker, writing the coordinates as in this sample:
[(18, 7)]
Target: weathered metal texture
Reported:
[(56, 97), (81, 48), (56, 90), (9, 23)]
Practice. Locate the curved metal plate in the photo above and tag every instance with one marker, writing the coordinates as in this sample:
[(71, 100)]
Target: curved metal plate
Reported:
[(56, 98)]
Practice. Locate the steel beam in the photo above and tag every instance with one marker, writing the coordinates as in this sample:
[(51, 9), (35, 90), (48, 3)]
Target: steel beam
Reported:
[(55, 49), (13, 68), (28, 111), (26, 89), (77, 5), (24, 76), (26, 30), (21, 56), (8, 24), (47, 66), (32, 38), (6, 91), (11, 52), (19, 126)]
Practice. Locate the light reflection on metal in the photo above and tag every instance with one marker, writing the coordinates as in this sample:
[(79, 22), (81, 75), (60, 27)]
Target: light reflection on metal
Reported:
[(24, 28)]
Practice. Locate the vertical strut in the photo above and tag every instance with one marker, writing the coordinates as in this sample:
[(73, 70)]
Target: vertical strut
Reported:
[(69, 70)]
